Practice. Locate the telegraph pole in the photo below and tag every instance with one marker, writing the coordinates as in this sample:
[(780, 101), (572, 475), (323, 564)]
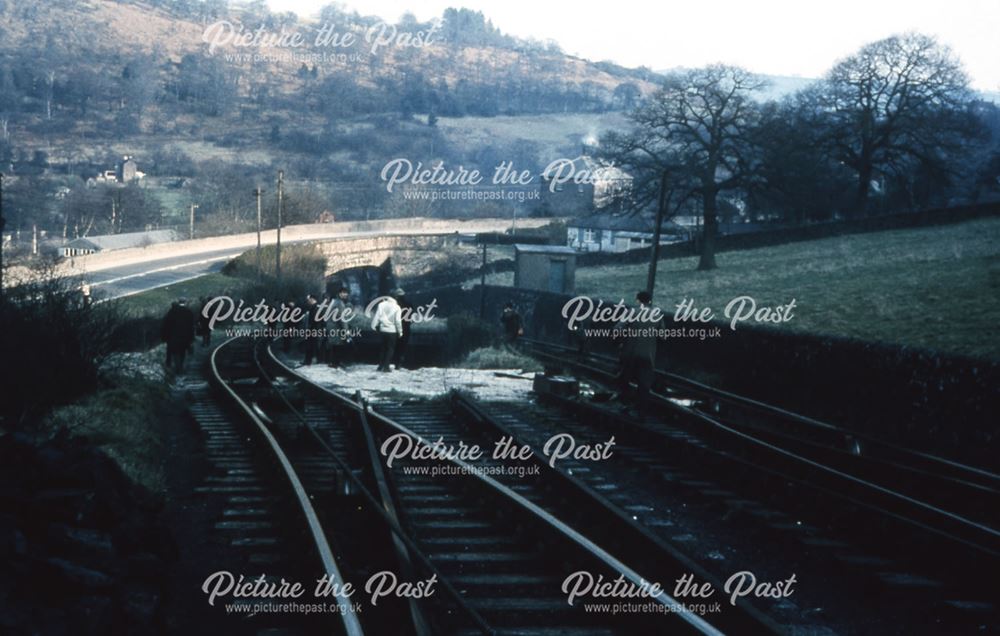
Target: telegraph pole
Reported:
[(193, 208), (257, 192), (482, 285), (3, 224), (277, 247), (661, 210)]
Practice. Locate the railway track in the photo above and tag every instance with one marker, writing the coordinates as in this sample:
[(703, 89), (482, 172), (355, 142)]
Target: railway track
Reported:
[(267, 526), (937, 514), (934, 478), (501, 547)]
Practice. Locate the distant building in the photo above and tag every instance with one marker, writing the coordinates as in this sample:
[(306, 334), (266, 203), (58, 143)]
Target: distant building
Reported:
[(94, 244), (582, 186), (619, 233), (545, 267), (124, 172)]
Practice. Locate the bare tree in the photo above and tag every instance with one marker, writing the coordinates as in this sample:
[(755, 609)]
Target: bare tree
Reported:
[(697, 129), (658, 181), (895, 101)]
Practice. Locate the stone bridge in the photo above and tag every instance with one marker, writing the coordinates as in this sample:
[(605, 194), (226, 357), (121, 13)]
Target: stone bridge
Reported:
[(412, 254)]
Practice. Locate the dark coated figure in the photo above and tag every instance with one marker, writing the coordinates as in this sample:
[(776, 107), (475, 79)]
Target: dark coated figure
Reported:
[(177, 331), (287, 326), (339, 329), (314, 329), (513, 326)]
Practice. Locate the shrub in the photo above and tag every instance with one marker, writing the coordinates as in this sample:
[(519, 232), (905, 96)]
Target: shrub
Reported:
[(466, 333), (53, 345), (499, 358)]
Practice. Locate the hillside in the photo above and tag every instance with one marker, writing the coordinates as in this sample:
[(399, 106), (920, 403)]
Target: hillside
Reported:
[(84, 83), (148, 71)]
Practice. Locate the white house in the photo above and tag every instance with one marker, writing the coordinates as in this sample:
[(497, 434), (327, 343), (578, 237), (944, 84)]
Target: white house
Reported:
[(618, 233)]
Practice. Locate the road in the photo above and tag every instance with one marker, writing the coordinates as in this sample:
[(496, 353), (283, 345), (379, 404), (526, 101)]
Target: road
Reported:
[(132, 271), (134, 278)]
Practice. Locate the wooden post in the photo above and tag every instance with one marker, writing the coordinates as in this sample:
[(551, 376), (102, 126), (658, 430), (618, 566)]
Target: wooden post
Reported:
[(257, 192), (3, 224), (193, 208), (657, 230), (277, 247), (482, 286)]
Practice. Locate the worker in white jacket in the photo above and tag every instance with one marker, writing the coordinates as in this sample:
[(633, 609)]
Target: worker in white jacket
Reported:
[(388, 323)]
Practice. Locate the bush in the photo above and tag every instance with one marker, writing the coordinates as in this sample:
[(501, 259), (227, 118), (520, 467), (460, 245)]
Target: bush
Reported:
[(499, 358), (120, 420), (303, 269), (466, 333), (54, 343)]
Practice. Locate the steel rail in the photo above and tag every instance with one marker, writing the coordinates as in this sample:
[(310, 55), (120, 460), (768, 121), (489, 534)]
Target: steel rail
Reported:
[(954, 468), (351, 624), (386, 512), (991, 536), (595, 551)]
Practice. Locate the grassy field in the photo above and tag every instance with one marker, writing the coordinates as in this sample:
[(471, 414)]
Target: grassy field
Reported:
[(936, 287), (156, 302), (555, 135)]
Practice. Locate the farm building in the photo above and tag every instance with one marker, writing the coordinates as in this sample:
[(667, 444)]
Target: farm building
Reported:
[(94, 244)]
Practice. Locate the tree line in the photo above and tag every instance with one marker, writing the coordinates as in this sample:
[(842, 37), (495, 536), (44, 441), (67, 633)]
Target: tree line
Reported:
[(894, 126)]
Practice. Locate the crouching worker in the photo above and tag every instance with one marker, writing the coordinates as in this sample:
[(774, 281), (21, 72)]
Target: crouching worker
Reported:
[(637, 355)]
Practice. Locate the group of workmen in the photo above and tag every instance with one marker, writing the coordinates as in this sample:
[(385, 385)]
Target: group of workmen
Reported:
[(328, 336), (330, 340), (327, 340)]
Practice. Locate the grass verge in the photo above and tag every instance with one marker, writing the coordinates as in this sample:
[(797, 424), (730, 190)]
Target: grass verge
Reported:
[(499, 358), (935, 287), (122, 418), (156, 302)]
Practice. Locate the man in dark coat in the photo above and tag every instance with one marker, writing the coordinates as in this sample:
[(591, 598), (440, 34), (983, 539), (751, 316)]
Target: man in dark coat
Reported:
[(314, 328), (287, 326), (513, 326), (339, 329), (177, 330)]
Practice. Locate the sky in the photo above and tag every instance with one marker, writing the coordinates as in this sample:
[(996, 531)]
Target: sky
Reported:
[(777, 37)]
